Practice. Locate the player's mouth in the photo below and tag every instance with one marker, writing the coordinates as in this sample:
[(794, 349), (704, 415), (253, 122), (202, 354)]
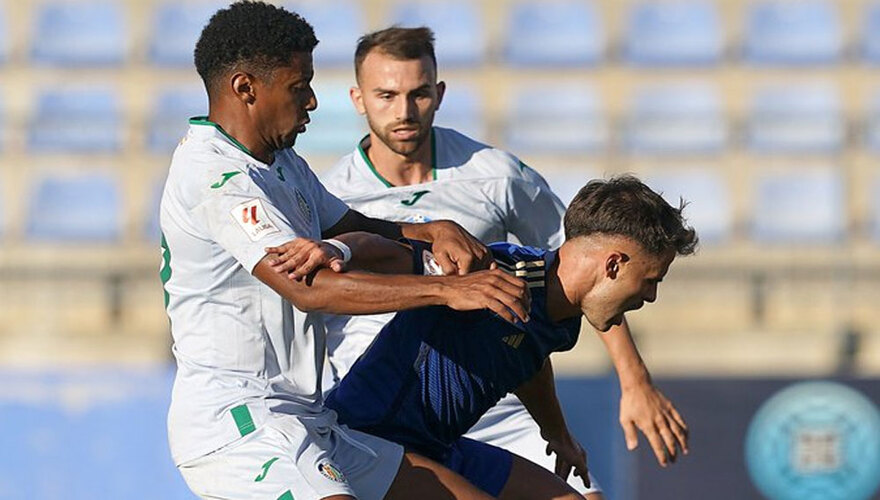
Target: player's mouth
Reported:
[(302, 126), (405, 133)]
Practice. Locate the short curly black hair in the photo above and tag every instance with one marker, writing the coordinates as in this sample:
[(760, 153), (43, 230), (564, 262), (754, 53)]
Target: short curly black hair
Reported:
[(254, 36)]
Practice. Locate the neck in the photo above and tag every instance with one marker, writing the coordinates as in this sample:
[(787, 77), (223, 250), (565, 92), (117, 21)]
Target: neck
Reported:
[(240, 128), (402, 170), (562, 304)]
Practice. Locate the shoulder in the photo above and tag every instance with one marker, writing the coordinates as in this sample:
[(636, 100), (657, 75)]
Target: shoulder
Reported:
[(199, 169), (516, 255), (474, 158), (347, 178)]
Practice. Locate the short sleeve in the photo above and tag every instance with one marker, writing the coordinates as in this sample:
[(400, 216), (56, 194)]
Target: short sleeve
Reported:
[(534, 212), (243, 220)]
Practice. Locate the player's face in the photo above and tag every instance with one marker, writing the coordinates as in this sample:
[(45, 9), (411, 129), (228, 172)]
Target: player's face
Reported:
[(283, 103), (399, 99), (630, 279)]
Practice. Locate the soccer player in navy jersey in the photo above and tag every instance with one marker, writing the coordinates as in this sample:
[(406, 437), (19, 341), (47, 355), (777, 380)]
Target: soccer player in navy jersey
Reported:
[(432, 372)]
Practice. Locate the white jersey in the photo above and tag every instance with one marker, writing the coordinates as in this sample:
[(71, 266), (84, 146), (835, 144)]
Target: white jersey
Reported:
[(243, 352), (489, 192)]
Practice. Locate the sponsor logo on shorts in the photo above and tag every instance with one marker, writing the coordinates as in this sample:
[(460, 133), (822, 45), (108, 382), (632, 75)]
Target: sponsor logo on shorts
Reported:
[(252, 218), (331, 472), (265, 469)]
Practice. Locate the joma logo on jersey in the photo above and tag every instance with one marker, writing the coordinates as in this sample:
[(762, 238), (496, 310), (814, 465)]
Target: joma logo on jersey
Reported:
[(415, 197), (226, 176), (252, 218)]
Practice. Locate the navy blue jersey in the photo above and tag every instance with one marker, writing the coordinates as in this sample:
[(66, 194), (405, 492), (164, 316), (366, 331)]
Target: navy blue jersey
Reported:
[(432, 372)]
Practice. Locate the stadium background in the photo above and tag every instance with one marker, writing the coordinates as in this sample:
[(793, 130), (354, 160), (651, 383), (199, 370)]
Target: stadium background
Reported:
[(764, 114)]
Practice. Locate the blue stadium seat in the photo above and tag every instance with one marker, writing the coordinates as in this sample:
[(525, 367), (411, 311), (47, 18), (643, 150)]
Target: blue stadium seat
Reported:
[(799, 207), (684, 118), (80, 34), (176, 29), (335, 127), (77, 121), (709, 208), (559, 33), (173, 108), (566, 183), (796, 119), (338, 25), (462, 110), (458, 26), (556, 120), (793, 32), (85, 208), (4, 35), (662, 33), (871, 33)]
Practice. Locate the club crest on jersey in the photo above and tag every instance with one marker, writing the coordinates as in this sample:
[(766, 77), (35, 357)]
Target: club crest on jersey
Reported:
[(303, 205), (331, 472), (252, 218)]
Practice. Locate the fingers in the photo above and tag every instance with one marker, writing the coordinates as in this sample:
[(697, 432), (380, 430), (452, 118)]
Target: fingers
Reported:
[(680, 428), (446, 264), (630, 435), (656, 444)]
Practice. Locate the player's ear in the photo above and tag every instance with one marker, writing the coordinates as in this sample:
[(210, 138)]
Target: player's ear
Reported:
[(357, 98), (441, 91), (243, 87), (613, 264)]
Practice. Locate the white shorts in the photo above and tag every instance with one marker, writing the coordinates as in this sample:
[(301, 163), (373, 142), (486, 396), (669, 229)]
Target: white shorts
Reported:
[(508, 425), (290, 457)]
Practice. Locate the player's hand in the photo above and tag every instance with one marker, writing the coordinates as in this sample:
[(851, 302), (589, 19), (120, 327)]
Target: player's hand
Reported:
[(303, 256), (505, 295), (646, 408), (569, 455), (456, 250)]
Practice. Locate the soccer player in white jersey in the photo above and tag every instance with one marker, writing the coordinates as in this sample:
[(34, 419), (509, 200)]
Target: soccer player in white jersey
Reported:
[(408, 170), (247, 418)]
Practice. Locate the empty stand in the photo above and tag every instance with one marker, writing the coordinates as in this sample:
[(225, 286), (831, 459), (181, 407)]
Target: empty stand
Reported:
[(684, 118), (85, 208), (793, 32), (172, 110), (662, 33), (558, 33), (796, 118), (556, 119), (566, 183), (77, 120), (708, 209), (462, 109), (335, 126), (458, 27), (176, 28), (802, 206), (338, 25), (80, 34)]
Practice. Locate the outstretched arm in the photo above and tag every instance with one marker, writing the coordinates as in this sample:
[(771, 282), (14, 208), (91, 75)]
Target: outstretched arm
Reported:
[(642, 405), (538, 395)]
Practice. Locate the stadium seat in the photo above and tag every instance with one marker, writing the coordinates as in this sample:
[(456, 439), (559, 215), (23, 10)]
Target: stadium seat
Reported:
[(76, 120), (871, 33), (662, 33), (684, 118), (338, 25), (152, 230), (707, 195), (793, 32), (85, 208), (462, 110), (558, 33), (560, 119), (175, 30), (173, 108), (80, 34), (805, 206), (796, 118), (458, 26), (335, 126), (567, 182), (4, 35)]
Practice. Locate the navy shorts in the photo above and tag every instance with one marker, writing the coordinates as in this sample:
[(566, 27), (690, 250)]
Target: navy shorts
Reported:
[(487, 467)]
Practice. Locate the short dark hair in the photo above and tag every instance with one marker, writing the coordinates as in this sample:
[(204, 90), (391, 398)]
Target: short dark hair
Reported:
[(254, 36), (625, 206), (400, 43)]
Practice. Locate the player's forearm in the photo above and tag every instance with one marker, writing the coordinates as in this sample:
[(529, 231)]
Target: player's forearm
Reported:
[(376, 254), (355, 292), (628, 363), (538, 395)]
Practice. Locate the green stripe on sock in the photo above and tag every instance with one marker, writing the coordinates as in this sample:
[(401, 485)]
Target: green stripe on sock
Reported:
[(243, 420)]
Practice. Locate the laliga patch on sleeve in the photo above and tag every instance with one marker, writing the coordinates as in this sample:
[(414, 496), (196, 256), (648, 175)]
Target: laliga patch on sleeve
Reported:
[(251, 216)]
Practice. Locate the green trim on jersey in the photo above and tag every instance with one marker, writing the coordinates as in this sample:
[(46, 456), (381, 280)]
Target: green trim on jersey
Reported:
[(165, 270), (286, 496), (203, 120), (243, 420), (369, 163)]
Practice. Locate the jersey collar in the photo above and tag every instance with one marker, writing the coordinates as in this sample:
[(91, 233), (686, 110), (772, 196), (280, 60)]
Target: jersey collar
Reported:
[(203, 121), (366, 158)]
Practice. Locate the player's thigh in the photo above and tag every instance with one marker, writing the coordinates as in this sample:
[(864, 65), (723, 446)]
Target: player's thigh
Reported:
[(508, 425), (425, 479), (529, 481)]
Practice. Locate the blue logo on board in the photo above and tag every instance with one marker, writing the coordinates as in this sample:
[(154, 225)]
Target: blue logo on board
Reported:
[(815, 440)]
